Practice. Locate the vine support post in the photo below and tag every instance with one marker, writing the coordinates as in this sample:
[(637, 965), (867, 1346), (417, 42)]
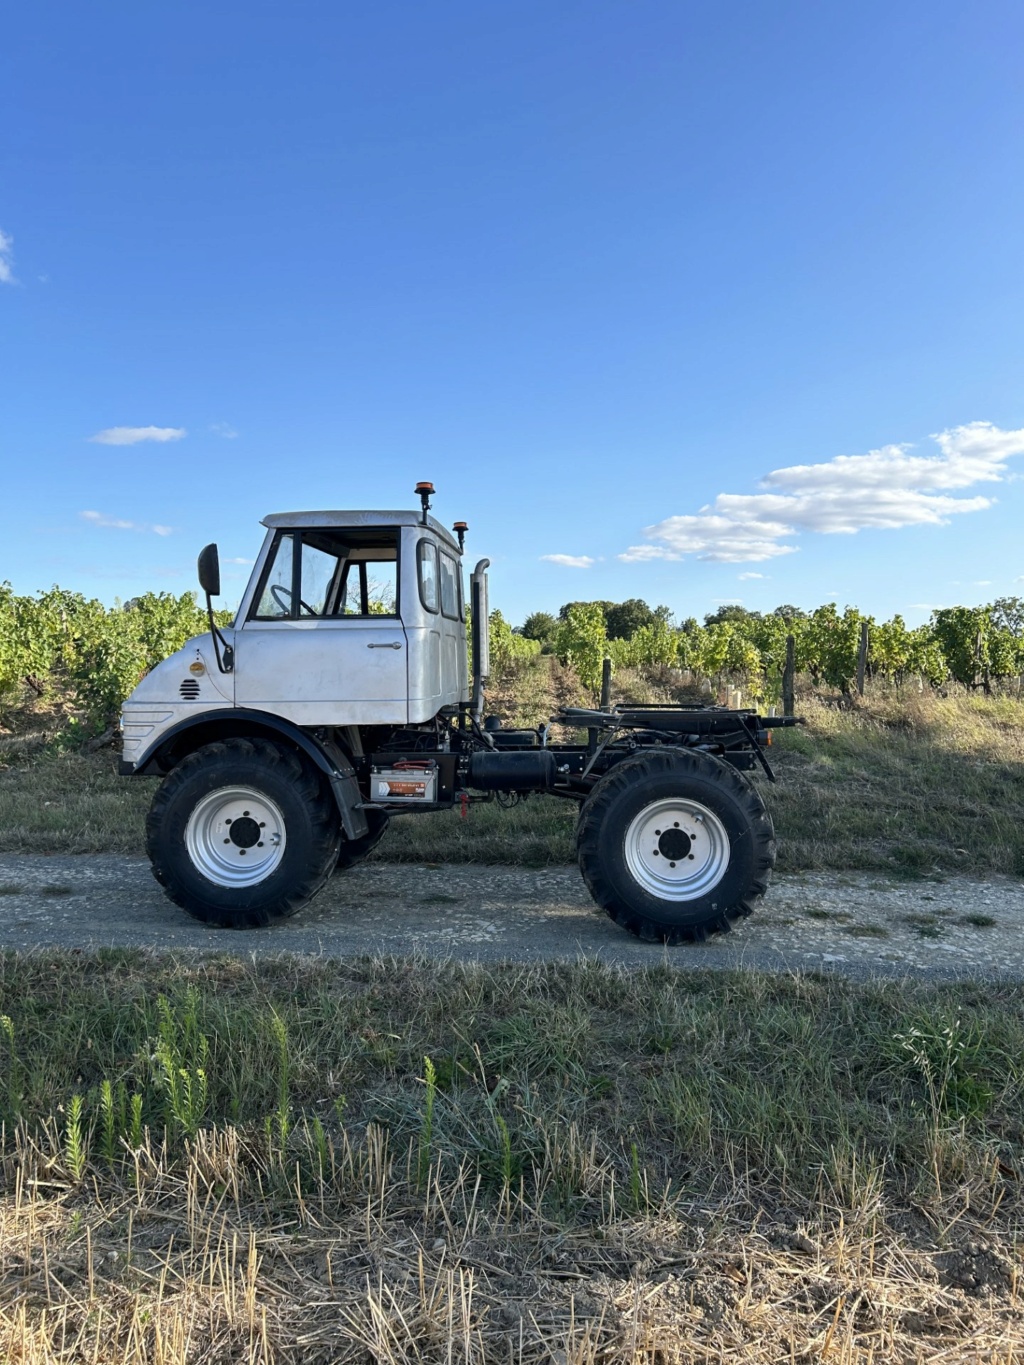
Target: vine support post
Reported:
[(606, 683), (789, 678), (862, 658)]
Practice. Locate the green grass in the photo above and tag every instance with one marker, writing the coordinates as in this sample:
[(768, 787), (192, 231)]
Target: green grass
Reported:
[(549, 1129), (908, 787), (789, 1069)]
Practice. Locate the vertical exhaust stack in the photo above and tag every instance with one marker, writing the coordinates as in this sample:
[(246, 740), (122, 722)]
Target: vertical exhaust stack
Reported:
[(481, 637)]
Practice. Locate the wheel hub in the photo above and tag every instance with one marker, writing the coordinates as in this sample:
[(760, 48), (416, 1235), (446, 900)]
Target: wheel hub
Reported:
[(244, 831), (235, 836), (677, 849), (674, 843)]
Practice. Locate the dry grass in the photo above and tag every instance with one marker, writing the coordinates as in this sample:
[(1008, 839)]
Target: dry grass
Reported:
[(592, 1166), (912, 784)]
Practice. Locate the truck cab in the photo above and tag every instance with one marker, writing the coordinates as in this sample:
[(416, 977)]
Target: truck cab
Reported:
[(353, 618), (349, 620)]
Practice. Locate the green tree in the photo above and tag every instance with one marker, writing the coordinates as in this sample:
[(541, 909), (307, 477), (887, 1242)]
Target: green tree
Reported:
[(624, 619), (730, 611), (1008, 615), (540, 625), (564, 610)]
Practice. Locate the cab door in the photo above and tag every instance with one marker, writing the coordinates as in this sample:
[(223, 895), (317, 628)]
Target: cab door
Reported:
[(315, 648)]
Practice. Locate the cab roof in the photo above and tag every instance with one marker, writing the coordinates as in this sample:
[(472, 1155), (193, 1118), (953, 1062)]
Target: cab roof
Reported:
[(299, 521)]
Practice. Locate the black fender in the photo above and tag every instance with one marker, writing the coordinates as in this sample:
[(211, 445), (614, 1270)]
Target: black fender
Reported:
[(231, 722)]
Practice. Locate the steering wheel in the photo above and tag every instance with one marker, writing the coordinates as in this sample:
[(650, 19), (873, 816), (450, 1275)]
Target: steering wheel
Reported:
[(284, 598)]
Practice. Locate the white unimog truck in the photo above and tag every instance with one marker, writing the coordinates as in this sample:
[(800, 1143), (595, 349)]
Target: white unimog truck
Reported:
[(341, 696)]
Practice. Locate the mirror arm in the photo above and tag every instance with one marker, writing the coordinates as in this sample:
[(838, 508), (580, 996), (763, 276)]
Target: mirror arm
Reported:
[(224, 652)]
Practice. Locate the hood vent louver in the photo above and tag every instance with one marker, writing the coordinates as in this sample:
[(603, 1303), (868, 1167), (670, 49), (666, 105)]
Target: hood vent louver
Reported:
[(189, 689)]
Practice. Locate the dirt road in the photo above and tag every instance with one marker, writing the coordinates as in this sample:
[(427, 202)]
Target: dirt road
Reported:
[(857, 924)]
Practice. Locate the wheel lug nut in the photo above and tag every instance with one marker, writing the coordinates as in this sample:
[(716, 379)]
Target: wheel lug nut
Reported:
[(260, 844), (227, 841), (263, 824), (671, 864)]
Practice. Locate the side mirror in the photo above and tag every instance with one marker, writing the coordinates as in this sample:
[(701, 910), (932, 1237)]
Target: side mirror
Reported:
[(209, 571)]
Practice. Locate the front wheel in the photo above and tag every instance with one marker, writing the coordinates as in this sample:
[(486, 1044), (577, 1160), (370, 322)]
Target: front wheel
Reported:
[(675, 845), (241, 833)]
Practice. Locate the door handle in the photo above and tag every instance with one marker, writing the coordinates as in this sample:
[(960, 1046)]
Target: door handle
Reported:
[(393, 645)]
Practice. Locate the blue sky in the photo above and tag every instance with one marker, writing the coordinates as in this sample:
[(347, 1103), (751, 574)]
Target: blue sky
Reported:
[(640, 286)]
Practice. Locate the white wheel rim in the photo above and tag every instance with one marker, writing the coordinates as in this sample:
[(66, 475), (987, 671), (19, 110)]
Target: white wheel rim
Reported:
[(677, 850), (236, 836)]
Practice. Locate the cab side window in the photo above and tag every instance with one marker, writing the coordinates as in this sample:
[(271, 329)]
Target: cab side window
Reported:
[(426, 561), (450, 596)]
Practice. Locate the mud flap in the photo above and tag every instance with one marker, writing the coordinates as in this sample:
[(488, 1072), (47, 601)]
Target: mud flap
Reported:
[(348, 796)]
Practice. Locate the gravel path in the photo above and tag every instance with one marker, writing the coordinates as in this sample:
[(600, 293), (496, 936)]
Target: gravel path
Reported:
[(857, 924)]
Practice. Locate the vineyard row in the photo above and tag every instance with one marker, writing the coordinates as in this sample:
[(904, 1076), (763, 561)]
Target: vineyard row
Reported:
[(61, 642)]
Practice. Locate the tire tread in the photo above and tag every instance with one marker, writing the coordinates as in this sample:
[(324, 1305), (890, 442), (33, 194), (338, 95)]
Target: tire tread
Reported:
[(591, 833), (286, 766)]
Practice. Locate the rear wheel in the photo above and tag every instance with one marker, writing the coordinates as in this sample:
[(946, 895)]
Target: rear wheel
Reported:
[(242, 833), (675, 845)]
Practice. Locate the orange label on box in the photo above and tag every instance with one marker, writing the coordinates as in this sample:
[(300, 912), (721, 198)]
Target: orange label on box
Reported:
[(407, 788)]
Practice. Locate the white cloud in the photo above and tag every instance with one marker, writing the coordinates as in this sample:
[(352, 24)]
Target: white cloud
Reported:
[(570, 561), (6, 254), (744, 576), (119, 524), (222, 429), (983, 582), (130, 436), (885, 489), (239, 560)]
